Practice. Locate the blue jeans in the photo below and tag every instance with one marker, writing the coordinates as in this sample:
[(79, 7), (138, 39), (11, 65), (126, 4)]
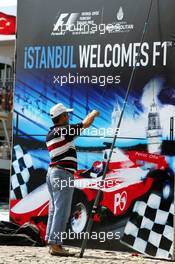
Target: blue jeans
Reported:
[(58, 181)]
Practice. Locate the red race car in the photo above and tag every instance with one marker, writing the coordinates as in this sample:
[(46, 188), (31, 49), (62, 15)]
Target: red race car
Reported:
[(130, 175)]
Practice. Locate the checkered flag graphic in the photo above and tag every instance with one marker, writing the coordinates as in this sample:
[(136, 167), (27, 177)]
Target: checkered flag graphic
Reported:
[(22, 168), (150, 227)]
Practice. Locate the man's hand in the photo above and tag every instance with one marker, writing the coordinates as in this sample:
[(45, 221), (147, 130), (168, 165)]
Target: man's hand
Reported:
[(95, 113), (90, 118)]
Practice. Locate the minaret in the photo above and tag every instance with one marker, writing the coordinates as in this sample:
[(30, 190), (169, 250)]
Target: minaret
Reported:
[(115, 115), (154, 131)]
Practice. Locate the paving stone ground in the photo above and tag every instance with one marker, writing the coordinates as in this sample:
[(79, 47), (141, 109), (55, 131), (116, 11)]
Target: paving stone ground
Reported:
[(26, 255)]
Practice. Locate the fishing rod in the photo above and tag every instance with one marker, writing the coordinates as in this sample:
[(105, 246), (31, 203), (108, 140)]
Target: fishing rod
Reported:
[(98, 196)]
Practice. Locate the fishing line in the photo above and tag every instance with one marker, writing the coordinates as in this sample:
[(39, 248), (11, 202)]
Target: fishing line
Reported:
[(97, 199)]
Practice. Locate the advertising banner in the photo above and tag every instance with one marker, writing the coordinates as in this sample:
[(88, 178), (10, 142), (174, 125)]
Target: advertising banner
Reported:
[(82, 54)]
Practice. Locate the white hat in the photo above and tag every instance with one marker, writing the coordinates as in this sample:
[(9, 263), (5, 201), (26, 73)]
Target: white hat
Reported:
[(58, 109)]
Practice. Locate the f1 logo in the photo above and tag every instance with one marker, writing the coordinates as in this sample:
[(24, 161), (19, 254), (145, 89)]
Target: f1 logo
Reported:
[(65, 19)]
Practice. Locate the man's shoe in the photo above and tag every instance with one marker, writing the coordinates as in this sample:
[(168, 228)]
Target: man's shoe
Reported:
[(59, 251)]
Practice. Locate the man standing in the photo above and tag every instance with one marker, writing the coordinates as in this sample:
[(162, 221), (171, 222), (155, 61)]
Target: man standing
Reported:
[(63, 164)]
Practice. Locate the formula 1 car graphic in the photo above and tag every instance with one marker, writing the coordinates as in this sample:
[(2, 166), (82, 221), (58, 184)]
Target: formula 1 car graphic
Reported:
[(130, 175)]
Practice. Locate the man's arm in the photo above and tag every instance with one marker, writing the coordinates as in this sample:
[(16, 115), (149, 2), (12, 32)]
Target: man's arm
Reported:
[(90, 118), (73, 131)]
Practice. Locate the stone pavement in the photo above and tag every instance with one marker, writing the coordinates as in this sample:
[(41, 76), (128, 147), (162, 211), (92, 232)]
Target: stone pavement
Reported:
[(26, 255)]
